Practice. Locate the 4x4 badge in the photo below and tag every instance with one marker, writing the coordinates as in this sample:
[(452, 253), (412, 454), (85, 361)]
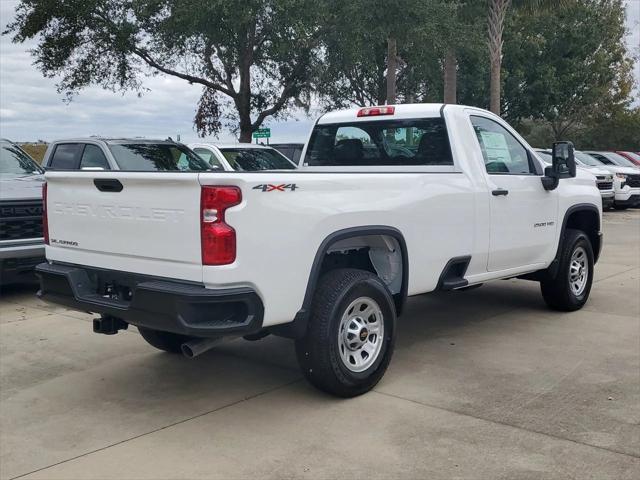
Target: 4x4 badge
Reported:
[(267, 187)]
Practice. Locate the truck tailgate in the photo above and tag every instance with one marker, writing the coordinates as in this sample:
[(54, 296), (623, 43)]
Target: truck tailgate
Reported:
[(141, 222)]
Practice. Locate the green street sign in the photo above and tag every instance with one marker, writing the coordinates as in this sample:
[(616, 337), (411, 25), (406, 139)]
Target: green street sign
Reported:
[(262, 133)]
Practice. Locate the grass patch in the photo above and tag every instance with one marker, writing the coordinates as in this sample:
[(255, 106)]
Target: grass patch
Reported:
[(36, 150)]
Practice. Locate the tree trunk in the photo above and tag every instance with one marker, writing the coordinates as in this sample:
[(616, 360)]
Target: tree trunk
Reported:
[(245, 135), (495, 26), (392, 66), (244, 114), (450, 76), (494, 87)]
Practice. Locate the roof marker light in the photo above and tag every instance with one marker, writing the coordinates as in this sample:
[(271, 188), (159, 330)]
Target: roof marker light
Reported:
[(376, 111)]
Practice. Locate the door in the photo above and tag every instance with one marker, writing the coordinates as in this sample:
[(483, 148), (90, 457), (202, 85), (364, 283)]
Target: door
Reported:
[(523, 214)]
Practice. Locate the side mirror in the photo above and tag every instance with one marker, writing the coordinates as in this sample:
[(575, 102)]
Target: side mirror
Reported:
[(563, 165), (563, 160)]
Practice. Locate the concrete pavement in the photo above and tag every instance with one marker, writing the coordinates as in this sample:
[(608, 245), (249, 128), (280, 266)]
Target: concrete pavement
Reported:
[(486, 383)]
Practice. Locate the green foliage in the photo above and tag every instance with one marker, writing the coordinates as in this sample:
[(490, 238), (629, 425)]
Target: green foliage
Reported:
[(565, 67), (355, 47), (617, 130)]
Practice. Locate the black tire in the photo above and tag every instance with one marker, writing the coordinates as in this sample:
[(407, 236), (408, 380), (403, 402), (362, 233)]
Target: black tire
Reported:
[(318, 351), (557, 291), (617, 206), (166, 341)]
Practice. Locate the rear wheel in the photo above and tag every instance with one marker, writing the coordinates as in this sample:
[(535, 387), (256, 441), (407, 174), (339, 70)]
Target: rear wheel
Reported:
[(166, 341), (350, 337), (570, 288)]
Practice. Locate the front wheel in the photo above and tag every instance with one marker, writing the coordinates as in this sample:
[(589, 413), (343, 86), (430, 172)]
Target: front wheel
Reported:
[(351, 333), (570, 288)]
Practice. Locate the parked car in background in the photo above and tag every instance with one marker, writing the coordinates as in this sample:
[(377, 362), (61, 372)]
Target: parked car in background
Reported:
[(603, 178), (633, 157), (242, 157), (21, 237), (131, 154), (612, 158), (292, 151), (626, 180)]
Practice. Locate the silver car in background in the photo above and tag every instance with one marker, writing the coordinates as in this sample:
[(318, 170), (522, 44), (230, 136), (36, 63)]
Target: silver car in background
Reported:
[(21, 237), (242, 157)]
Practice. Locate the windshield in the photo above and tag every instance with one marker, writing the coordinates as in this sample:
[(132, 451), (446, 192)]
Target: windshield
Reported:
[(252, 159), (635, 156), (587, 159), (379, 143), (620, 160), (15, 162), (158, 157), (545, 156)]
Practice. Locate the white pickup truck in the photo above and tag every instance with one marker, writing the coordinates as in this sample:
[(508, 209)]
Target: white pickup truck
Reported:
[(388, 202)]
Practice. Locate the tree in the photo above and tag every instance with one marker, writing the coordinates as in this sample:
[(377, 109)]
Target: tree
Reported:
[(564, 68), (496, 15), (256, 56), (462, 37), (615, 130), (360, 66), (354, 57)]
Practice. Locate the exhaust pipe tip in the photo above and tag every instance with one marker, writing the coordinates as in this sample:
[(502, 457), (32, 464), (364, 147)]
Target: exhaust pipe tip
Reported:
[(198, 346), (187, 351)]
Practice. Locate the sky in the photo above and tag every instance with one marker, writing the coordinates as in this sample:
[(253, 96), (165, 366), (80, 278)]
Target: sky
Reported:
[(32, 109)]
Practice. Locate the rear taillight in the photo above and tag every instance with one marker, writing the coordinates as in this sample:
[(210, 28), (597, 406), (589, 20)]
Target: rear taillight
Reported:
[(376, 111), (218, 240), (45, 220)]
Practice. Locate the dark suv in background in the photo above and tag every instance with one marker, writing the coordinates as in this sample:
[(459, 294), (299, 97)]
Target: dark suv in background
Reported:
[(21, 237)]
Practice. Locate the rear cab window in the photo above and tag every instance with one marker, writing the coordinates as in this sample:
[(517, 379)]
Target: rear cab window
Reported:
[(93, 157), (417, 142), (66, 156), (156, 157)]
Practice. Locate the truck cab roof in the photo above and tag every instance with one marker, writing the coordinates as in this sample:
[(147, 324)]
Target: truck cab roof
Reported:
[(402, 111)]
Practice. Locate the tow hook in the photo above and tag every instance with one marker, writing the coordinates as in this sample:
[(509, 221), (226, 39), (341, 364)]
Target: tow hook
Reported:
[(109, 325)]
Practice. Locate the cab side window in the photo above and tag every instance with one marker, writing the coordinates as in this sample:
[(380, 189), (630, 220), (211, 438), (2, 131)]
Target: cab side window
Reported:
[(502, 153), (65, 156), (93, 157), (208, 156)]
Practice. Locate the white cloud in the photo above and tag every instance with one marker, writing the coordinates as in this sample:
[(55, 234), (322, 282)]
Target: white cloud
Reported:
[(31, 108)]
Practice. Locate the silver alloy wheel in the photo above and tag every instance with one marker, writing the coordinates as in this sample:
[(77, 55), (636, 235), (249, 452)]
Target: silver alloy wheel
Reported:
[(361, 334), (578, 271)]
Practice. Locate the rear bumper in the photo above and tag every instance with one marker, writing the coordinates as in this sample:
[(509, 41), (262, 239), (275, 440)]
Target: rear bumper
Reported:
[(159, 304)]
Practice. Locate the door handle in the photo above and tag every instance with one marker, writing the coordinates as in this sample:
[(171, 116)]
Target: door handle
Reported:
[(108, 184), (499, 191)]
